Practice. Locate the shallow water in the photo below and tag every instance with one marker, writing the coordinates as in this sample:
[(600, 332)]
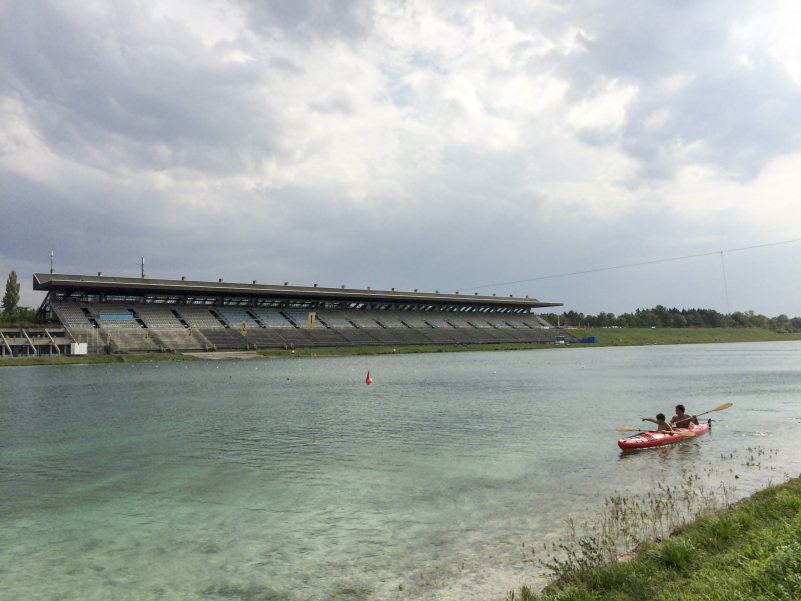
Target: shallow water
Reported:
[(226, 480)]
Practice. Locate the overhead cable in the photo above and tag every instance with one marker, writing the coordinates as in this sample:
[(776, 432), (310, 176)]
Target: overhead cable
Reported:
[(685, 257)]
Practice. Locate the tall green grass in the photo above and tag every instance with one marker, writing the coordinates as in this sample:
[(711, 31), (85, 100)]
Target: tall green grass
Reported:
[(751, 550)]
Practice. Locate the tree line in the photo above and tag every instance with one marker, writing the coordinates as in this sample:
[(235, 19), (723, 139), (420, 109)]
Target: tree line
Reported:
[(662, 317)]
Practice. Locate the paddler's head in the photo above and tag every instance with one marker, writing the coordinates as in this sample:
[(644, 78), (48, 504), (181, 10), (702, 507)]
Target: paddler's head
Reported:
[(660, 417), (679, 409)]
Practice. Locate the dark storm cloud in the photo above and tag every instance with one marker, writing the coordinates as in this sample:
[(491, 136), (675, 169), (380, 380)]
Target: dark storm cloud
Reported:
[(110, 82)]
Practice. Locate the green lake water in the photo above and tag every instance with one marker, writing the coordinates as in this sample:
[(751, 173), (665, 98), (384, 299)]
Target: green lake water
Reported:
[(227, 480)]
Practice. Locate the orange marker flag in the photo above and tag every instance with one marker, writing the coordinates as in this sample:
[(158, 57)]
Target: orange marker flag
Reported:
[(369, 380)]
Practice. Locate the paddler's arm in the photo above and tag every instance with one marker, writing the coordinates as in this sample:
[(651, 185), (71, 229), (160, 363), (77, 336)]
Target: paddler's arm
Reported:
[(648, 419)]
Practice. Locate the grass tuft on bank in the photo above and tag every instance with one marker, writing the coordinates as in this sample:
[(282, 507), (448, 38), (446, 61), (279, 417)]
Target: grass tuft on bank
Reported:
[(749, 551)]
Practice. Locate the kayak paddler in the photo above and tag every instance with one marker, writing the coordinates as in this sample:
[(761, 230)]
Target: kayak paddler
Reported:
[(681, 419), (662, 425)]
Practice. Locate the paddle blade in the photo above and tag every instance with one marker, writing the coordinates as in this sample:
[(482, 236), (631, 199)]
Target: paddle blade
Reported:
[(688, 434), (625, 429), (722, 407)]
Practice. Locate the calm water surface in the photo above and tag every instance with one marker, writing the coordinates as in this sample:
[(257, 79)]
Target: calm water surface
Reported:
[(226, 480)]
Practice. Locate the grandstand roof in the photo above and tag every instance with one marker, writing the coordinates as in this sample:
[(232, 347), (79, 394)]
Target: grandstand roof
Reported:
[(143, 286)]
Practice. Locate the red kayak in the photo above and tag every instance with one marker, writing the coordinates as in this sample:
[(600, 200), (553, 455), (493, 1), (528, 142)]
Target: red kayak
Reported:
[(643, 440)]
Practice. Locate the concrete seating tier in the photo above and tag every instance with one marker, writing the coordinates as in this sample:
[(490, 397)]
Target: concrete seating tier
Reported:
[(437, 319), (515, 321), (235, 316), (129, 341), (507, 334), (389, 319), (414, 319), (462, 335), (457, 320), (325, 337), (299, 316), (272, 318), (157, 316), (295, 336), (442, 335), (198, 316), (363, 319), (113, 316), (267, 337), (358, 337), (477, 320), (405, 336), (334, 318), (497, 320), (225, 338), (70, 314), (178, 339), (535, 321)]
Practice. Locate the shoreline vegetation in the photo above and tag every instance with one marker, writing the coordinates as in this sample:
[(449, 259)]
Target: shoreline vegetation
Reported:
[(662, 317), (606, 337), (748, 550)]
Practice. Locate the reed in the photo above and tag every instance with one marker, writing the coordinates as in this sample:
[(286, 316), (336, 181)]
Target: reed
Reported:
[(693, 543)]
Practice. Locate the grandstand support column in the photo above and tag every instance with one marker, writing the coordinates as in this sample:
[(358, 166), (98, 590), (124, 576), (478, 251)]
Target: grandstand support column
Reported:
[(58, 350), (28, 338), (6, 346)]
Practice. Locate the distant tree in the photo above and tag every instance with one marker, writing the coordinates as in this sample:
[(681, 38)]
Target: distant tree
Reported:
[(603, 320), (661, 316), (650, 319), (11, 297), (665, 317), (781, 323)]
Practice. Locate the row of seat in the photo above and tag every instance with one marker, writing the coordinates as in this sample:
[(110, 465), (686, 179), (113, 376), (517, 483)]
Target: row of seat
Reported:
[(269, 327), (128, 340)]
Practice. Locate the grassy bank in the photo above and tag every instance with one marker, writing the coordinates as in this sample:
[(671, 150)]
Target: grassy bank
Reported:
[(749, 551), (397, 349), (606, 337), (93, 359), (637, 336)]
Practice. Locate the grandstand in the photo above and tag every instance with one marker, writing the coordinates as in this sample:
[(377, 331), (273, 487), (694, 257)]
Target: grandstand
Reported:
[(136, 315)]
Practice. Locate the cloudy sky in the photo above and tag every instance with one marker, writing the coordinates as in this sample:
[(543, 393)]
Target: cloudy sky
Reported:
[(437, 145)]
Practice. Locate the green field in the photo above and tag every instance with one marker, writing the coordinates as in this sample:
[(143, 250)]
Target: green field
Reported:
[(637, 336), (606, 337), (749, 551)]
